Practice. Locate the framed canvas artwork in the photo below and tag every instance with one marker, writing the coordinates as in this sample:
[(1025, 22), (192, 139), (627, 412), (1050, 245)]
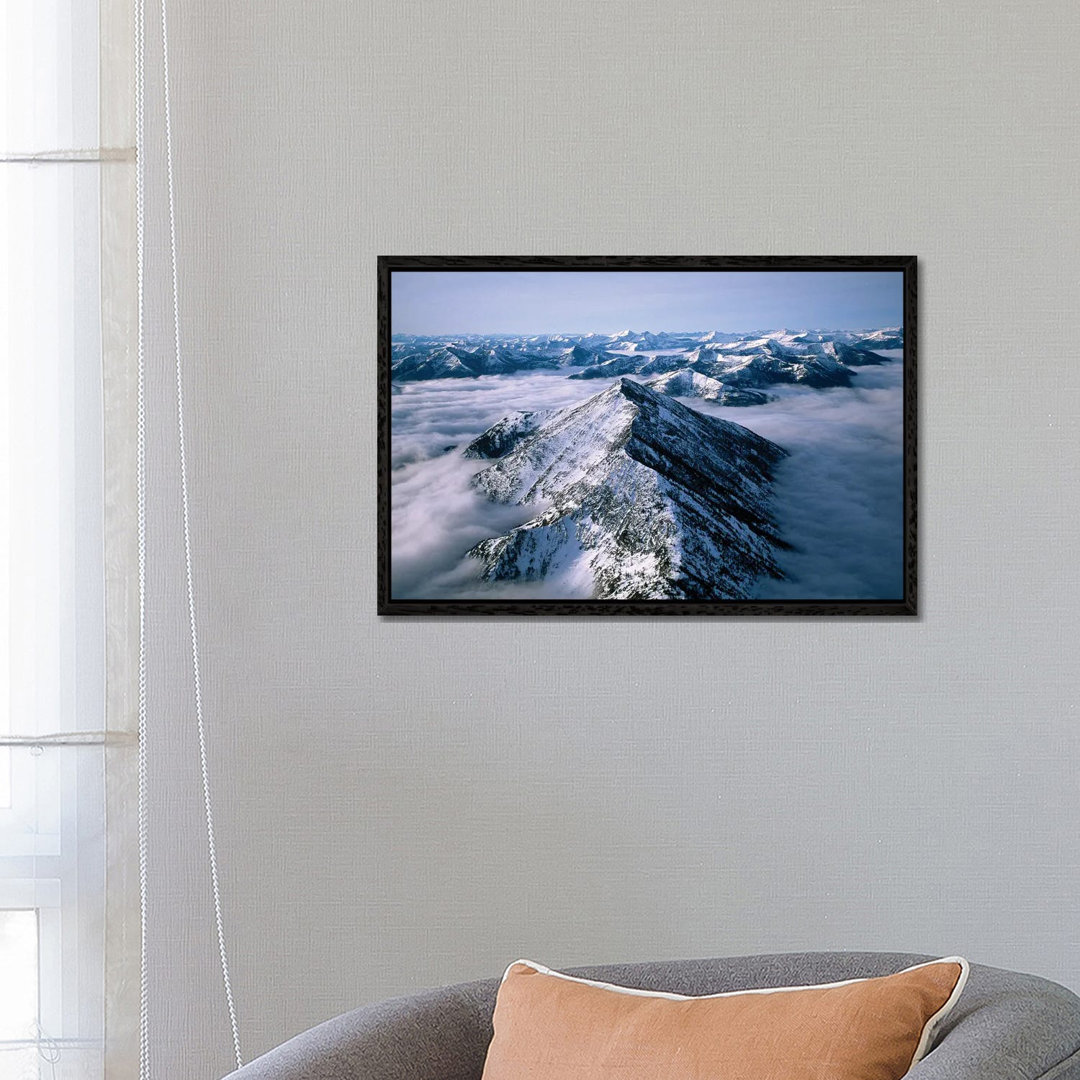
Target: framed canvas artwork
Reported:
[(647, 436)]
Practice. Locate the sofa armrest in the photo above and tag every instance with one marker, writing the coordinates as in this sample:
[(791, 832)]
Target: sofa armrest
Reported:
[(441, 1034), (1007, 1026)]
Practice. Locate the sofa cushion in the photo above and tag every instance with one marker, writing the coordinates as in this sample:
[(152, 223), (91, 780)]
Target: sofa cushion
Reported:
[(551, 1026)]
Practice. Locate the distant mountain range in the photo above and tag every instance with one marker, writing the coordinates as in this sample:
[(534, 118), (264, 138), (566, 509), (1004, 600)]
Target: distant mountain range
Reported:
[(457, 362), (816, 358)]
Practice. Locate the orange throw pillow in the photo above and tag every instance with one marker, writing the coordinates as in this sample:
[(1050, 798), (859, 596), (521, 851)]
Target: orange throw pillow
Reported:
[(550, 1026)]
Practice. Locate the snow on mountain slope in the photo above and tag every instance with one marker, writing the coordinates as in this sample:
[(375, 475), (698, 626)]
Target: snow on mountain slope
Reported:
[(718, 336), (617, 365), (502, 437), (645, 339), (771, 363), (891, 337), (455, 362), (646, 498), (855, 355), (444, 363), (687, 383), (583, 356), (663, 363)]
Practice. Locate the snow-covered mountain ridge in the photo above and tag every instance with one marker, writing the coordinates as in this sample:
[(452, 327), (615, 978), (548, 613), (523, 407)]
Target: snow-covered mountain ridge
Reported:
[(640, 495)]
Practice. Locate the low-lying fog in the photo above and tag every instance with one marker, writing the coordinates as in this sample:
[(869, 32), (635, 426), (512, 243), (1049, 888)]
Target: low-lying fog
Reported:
[(838, 496)]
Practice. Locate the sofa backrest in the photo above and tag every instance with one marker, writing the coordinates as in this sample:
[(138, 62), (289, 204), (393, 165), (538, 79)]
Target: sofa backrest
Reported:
[(1006, 1026)]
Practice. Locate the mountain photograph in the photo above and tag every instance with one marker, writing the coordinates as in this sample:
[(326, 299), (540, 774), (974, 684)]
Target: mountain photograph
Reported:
[(536, 455)]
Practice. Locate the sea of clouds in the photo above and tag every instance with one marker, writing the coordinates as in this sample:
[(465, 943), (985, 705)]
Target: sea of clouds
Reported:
[(436, 515), (838, 495)]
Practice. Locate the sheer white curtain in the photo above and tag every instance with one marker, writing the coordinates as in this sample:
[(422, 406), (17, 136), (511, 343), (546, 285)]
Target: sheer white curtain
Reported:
[(53, 582)]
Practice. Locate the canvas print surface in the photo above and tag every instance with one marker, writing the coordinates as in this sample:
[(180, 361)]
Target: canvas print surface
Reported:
[(646, 436)]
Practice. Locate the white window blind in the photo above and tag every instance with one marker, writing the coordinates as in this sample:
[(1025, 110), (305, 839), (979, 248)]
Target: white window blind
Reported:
[(52, 606)]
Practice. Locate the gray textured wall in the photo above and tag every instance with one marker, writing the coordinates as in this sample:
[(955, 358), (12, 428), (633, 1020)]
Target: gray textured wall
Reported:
[(409, 803)]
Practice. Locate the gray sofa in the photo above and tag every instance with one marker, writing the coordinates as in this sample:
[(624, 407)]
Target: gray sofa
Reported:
[(1006, 1026)]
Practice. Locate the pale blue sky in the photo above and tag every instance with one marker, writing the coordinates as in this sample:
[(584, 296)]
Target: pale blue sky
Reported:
[(605, 301)]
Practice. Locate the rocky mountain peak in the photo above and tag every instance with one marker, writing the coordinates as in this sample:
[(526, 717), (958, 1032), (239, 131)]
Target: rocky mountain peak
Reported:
[(644, 495)]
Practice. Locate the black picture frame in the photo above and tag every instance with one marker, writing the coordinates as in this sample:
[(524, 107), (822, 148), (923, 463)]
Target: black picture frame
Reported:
[(907, 606)]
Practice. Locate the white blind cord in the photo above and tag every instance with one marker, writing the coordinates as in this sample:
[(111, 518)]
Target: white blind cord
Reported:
[(140, 454), (140, 199), (211, 847)]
